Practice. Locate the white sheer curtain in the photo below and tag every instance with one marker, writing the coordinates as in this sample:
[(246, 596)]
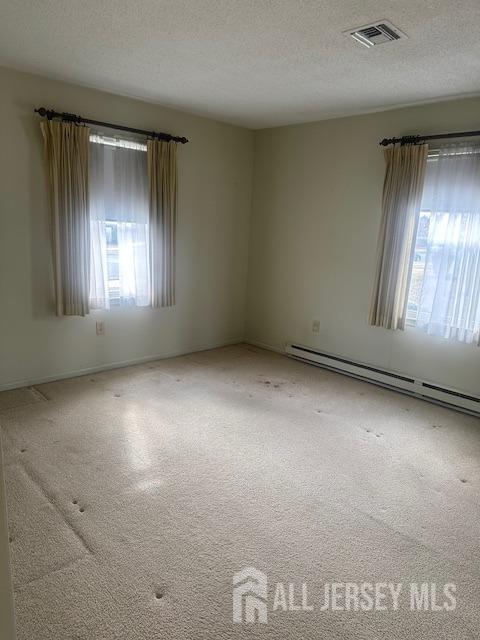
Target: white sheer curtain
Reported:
[(119, 222), (450, 296)]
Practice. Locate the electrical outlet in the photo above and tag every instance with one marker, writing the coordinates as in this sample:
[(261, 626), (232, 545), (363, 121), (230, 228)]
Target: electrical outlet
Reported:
[(100, 328), (316, 326)]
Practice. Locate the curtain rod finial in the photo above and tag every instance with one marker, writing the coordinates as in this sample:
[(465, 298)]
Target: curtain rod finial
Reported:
[(45, 113)]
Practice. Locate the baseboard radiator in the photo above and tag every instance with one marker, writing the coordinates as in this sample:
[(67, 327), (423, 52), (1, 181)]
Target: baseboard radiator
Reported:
[(399, 382)]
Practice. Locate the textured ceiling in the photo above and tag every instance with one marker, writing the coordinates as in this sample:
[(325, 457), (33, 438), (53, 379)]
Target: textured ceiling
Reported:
[(257, 63)]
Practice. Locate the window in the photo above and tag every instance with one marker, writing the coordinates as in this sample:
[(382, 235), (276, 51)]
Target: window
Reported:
[(119, 227), (444, 294)]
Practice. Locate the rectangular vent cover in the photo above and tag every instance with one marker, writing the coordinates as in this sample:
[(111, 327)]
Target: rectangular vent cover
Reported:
[(376, 33)]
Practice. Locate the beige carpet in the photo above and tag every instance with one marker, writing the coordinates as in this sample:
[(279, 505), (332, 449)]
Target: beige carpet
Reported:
[(135, 495)]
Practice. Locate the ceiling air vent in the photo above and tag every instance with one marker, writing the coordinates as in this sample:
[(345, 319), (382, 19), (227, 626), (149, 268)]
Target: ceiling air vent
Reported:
[(376, 33)]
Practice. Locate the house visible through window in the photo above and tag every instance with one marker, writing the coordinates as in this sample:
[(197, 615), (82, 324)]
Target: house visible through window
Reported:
[(444, 295), (119, 226)]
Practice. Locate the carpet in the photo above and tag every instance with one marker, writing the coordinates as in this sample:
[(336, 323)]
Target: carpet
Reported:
[(135, 496)]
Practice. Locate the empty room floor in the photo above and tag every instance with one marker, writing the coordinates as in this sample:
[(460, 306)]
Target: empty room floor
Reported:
[(134, 496)]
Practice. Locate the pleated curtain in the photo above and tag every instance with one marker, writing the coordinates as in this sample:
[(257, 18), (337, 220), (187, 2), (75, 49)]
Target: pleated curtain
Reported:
[(402, 194), (67, 151), (162, 176)]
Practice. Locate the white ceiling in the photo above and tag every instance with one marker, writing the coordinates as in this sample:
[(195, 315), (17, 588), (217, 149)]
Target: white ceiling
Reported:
[(257, 63)]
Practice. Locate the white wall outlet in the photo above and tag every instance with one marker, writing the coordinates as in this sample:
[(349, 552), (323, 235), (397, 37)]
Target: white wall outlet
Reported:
[(100, 326), (316, 326)]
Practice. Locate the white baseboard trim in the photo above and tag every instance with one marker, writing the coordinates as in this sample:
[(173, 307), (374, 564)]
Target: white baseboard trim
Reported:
[(30, 382)]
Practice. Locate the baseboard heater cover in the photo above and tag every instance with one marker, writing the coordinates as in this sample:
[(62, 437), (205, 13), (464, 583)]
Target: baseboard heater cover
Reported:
[(399, 382)]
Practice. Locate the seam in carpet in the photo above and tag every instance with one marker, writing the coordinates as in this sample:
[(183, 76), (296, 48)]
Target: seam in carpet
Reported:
[(65, 565), (39, 393), (37, 481), (33, 477), (408, 538)]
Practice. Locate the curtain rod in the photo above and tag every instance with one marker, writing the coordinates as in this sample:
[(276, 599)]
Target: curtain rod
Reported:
[(437, 136), (71, 117)]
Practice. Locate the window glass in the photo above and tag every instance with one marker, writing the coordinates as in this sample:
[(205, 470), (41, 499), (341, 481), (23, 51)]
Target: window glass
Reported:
[(119, 226), (444, 294)]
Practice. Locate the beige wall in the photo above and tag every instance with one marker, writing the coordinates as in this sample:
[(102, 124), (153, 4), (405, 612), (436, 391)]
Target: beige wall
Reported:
[(316, 214), (214, 213)]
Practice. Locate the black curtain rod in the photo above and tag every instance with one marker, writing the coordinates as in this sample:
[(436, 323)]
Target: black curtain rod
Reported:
[(438, 136), (71, 117)]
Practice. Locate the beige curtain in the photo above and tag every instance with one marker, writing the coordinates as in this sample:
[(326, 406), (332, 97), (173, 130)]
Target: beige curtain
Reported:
[(402, 194), (162, 176), (67, 148)]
